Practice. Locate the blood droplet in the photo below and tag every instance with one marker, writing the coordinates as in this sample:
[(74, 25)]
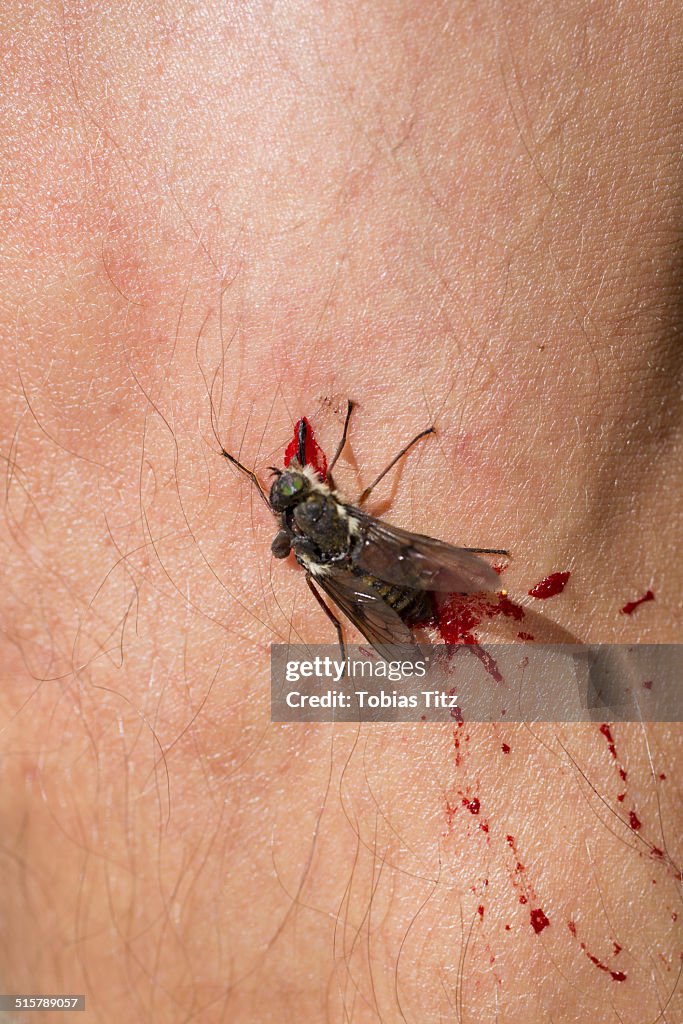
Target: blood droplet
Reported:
[(634, 821), (538, 920), (631, 606), (550, 586), (505, 748)]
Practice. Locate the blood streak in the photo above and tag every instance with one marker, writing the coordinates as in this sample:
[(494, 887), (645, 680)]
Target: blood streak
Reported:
[(634, 821), (607, 733), (550, 586), (614, 975), (314, 455), (631, 606), (458, 616)]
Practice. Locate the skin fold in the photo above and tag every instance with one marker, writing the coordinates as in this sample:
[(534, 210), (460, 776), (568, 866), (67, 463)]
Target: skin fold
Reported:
[(227, 215)]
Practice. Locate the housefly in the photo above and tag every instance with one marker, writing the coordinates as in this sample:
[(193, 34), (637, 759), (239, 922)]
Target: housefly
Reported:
[(382, 578)]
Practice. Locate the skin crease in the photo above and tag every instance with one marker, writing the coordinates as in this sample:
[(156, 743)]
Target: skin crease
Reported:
[(460, 214)]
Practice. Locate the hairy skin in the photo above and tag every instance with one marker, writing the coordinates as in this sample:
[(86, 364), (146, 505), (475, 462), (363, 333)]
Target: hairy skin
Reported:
[(463, 214)]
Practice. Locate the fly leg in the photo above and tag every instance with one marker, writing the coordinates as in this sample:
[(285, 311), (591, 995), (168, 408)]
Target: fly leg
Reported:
[(368, 490), (340, 446), (330, 614), (488, 551), (247, 472)]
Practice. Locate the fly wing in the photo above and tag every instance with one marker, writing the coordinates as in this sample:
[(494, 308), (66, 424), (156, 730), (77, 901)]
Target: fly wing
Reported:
[(421, 563), (367, 610)]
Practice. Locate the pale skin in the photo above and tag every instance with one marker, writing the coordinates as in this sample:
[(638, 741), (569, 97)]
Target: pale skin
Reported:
[(463, 215)]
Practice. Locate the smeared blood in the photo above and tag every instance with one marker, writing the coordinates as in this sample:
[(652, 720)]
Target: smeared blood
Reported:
[(614, 975), (538, 920), (505, 748), (525, 636), (473, 805), (550, 586), (607, 733), (458, 616), (634, 821), (647, 685), (480, 911), (631, 606), (314, 455)]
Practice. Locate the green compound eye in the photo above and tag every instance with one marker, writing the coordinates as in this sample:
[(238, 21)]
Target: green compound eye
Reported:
[(291, 486)]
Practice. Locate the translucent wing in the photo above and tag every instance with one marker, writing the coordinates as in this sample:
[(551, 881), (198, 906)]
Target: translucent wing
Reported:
[(421, 563), (367, 610)]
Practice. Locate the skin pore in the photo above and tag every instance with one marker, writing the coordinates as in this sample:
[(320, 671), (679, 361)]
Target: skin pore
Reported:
[(459, 214)]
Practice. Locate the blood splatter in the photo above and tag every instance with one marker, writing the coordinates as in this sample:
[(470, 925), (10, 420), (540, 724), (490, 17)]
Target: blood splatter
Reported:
[(538, 920), (480, 911), (458, 616), (614, 975), (631, 606), (315, 456), (550, 586), (505, 748), (634, 821), (607, 733), (473, 805), (525, 636)]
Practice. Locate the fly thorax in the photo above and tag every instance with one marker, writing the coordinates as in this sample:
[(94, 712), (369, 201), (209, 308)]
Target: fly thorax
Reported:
[(323, 520)]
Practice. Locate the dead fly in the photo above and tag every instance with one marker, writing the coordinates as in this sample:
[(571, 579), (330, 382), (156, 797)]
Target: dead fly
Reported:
[(381, 577)]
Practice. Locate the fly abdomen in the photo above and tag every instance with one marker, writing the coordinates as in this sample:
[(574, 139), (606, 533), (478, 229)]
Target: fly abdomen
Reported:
[(413, 606)]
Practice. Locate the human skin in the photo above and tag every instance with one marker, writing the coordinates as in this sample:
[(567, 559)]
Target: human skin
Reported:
[(459, 214)]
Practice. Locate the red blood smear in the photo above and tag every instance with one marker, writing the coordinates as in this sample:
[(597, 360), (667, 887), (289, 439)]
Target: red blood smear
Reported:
[(634, 821), (315, 456), (480, 911), (629, 608), (473, 806), (550, 586), (647, 685), (615, 975), (458, 616), (538, 920), (607, 733), (505, 748), (525, 636)]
